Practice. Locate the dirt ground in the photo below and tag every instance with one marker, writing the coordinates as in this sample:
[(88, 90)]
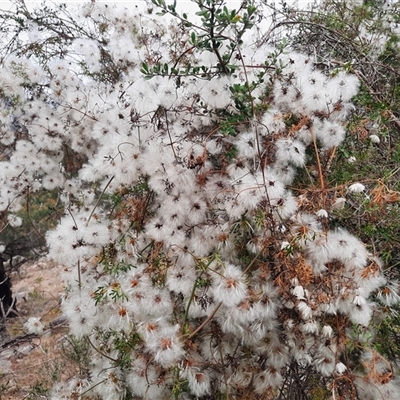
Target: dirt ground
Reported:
[(31, 364)]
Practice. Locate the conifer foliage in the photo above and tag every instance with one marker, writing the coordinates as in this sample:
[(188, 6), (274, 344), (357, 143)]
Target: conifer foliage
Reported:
[(194, 268)]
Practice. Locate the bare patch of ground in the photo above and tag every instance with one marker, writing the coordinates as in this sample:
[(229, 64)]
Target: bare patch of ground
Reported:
[(31, 364)]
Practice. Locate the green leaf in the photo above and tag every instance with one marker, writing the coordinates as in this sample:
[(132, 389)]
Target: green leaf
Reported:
[(145, 67), (201, 13), (251, 10), (204, 13)]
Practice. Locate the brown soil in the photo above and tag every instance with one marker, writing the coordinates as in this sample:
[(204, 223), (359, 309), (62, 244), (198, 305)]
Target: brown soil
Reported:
[(31, 364)]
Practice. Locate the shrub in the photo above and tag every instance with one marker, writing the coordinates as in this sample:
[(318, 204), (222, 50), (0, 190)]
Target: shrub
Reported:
[(201, 261)]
